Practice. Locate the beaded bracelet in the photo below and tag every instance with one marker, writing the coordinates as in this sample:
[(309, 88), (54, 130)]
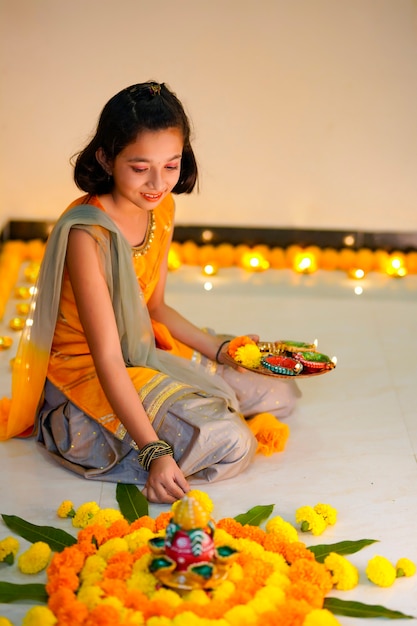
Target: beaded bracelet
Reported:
[(152, 451), (219, 350)]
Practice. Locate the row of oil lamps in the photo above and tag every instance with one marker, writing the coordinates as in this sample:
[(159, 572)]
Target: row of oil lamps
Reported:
[(356, 263)]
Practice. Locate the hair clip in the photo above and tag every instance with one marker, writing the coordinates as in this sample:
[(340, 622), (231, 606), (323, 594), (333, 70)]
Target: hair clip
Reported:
[(155, 89)]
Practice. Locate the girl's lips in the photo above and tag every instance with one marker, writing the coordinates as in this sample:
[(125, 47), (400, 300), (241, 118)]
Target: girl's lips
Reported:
[(152, 197)]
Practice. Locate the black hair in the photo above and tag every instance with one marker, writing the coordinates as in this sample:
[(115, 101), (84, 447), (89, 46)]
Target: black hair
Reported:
[(145, 106)]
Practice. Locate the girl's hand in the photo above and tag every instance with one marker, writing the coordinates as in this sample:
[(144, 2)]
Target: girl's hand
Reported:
[(166, 482)]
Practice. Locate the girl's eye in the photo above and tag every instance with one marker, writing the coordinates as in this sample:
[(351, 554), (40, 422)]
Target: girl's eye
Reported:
[(172, 168), (140, 170)]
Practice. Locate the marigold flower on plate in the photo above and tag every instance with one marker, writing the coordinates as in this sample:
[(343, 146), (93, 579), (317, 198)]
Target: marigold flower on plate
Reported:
[(66, 509), (345, 576), (35, 559), (237, 343), (9, 547), (310, 521), (328, 513), (249, 356), (38, 616), (405, 567), (381, 571)]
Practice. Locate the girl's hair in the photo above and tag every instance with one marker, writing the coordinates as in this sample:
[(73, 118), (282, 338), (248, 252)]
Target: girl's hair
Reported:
[(146, 106)]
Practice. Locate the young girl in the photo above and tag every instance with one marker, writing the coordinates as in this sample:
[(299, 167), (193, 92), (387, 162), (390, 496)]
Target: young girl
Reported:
[(132, 391)]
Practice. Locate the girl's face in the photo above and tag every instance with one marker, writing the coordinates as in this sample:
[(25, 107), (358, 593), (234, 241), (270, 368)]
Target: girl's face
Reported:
[(147, 170)]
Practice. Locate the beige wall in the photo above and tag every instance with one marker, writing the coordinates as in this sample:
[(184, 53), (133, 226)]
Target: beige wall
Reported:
[(304, 110)]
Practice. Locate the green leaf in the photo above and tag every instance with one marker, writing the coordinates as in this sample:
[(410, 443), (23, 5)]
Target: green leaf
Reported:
[(256, 515), (12, 592), (351, 608), (343, 547), (132, 502), (56, 538)]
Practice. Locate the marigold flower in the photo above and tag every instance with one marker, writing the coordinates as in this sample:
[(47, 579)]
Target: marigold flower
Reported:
[(159, 621), (106, 517), (282, 529), (162, 521), (9, 547), (305, 590), (248, 355), (117, 544), (35, 559), (242, 616), (237, 343), (144, 522), (313, 572), (84, 514), (66, 509), (345, 576), (5, 622), (328, 513), (381, 571), (405, 567), (138, 538), (90, 595), (37, 616), (309, 520), (320, 617)]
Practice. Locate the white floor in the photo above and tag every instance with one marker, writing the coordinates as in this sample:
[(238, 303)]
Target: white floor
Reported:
[(353, 441)]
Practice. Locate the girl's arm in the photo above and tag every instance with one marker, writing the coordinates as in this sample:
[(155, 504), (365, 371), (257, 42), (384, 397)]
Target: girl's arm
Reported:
[(166, 482)]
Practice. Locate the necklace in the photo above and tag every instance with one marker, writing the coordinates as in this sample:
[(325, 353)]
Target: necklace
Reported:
[(149, 237)]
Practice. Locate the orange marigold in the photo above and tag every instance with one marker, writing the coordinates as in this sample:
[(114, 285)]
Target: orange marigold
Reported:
[(65, 577), (67, 609), (71, 557), (103, 615), (296, 550), (94, 533), (119, 528), (119, 566), (254, 533), (162, 521), (135, 599), (231, 526), (140, 552), (143, 522), (292, 613), (304, 590), (114, 587), (312, 572), (238, 342)]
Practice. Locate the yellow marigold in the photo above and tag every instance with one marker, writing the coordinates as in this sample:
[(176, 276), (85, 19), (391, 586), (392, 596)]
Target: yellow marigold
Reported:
[(405, 567), (84, 514), (261, 604), (5, 622), (138, 538), (235, 573), (168, 596), (278, 580), (309, 520), (9, 547), (248, 356), (142, 581), (159, 621), (345, 576), (35, 559), (328, 513), (93, 564), (381, 571), (272, 593), (224, 590), (237, 343), (108, 549), (320, 617), (283, 529), (106, 517), (38, 616), (90, 595), (198, 596), (66, 509), (187, 619), (241, 616)]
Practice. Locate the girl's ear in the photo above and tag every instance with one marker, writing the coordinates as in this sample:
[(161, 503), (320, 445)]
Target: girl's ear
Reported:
[(102, 159)]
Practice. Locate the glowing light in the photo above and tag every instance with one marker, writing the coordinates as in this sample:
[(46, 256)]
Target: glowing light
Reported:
[(5, 342), (395, 266), (207, 235), (208, 286), (210, 269), (357, 273), (349, 240), (305, 263), (17, 323), (334, 360), (254, 262), (358, 290), (22, 308), (174, 260)]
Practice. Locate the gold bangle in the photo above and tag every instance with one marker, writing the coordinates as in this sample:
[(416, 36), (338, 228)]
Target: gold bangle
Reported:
[(154, 450)]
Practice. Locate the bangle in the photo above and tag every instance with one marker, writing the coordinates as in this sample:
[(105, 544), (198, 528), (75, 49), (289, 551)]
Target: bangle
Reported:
[(219, 350), (152, 451)]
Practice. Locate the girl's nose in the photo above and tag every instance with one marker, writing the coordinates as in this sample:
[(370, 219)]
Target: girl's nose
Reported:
[(155, 180)]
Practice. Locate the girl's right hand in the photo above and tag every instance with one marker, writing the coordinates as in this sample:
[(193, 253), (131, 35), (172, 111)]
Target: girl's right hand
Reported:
[(166, 482)]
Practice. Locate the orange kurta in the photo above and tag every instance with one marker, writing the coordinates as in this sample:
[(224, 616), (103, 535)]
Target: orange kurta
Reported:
[(71, 366)]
